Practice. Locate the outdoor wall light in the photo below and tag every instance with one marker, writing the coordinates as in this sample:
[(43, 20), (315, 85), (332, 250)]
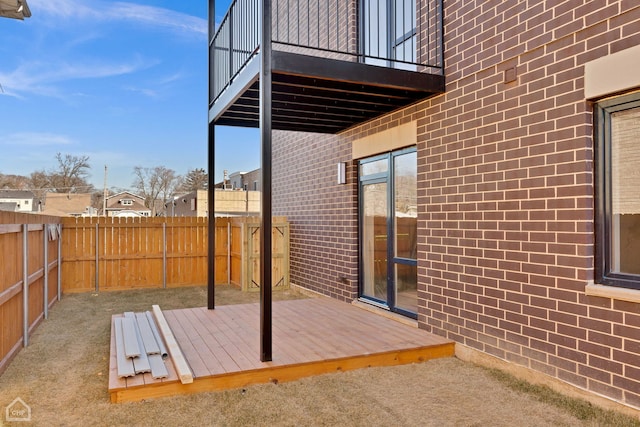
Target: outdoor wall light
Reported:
[(342, 173)]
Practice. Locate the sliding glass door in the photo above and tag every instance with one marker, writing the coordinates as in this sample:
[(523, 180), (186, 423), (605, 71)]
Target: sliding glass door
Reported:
[(389, 33), (388, 231)]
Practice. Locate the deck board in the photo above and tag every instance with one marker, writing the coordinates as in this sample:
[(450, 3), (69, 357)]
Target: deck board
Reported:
[(310, 337), (188, 338)]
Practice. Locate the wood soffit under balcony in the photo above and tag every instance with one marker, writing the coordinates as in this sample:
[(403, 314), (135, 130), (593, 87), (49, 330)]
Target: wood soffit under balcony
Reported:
[(314, 94)]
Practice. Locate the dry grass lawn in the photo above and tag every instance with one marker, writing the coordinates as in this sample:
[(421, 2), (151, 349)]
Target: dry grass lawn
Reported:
[(62, 375)]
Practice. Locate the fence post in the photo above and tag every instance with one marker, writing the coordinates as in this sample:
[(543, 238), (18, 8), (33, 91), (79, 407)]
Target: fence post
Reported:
[(229, 253), (59, 262), (164, 255), (97, 258), (25, 284), (45, 242)]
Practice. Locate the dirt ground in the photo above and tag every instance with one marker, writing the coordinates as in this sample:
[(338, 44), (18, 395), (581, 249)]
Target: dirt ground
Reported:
[(62, 376)]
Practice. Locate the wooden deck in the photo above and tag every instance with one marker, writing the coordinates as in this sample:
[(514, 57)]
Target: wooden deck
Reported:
[(310, 337)]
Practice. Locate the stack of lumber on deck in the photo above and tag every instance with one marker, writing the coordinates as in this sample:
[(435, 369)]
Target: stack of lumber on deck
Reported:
[(143, 341), (139, 346)]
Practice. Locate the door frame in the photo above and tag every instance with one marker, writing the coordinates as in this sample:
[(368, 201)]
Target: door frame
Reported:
[(388, 178)]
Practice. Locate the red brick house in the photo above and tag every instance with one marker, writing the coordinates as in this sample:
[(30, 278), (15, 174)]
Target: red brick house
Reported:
[(496, 204)]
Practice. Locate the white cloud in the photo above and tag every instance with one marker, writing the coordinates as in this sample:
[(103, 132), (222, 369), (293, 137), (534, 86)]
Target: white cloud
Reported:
[(158, 16), (125, 11), (59, 63), (35, 139), (150, 93), (159, 87), (40, 78)]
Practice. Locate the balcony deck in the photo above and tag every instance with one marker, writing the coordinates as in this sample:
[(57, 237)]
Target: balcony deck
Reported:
[(333, 64), (324, 95), (310, 337)]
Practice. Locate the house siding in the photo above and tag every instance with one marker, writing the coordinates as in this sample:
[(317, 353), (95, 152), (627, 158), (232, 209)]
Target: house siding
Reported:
[(505, 194)]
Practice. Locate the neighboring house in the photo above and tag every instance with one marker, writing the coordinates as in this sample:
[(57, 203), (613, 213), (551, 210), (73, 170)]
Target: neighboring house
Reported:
[(192, 204), (16, 9), (126, 204), (499, 210), (68, 204), (19, 201), (248, 181), (228, 203)]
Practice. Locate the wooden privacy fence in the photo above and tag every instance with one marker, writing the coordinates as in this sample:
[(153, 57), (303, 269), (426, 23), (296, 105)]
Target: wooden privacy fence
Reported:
[(238, 252), (29, 277), (128, 253)]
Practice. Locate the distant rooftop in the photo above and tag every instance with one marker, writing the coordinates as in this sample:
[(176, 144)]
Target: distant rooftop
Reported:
[(16, 9), (16, 194)]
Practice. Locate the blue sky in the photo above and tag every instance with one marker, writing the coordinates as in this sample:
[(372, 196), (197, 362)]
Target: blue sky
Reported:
[(122, 82)]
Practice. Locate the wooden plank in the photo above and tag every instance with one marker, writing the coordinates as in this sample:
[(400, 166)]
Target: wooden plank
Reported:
[(115, 382), (10, 292), (197, 334), (285, 373), (124, 363), (182, 368), (233, 336), (131, 347), (225, 363), (183, 333), (306, 331), (158, 368), (148, 339), (156, 335), (10, 228), (140, 363)]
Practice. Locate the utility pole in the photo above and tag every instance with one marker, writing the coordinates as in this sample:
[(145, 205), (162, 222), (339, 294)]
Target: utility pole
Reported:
[(104, 193)]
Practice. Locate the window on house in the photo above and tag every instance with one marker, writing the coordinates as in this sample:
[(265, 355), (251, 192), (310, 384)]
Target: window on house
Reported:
[(126, 202), (389, 33), (617, 198)]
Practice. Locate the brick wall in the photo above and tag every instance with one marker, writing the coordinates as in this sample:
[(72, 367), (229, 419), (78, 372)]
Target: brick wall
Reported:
[(505, 193), (322, 214)]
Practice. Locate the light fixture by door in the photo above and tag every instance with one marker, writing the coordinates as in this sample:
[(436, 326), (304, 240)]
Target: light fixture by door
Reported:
[(342, 173)]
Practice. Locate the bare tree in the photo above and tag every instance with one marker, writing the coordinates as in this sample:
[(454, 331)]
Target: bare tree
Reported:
[(39, 183), (155, 184), (13, 182), (195, 179), (69, 177), (71, 174)]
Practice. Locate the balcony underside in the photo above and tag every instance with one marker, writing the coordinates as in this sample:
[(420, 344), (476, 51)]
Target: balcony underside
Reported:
[(314, 94)]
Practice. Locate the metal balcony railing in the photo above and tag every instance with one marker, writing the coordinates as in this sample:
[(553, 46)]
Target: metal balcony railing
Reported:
[(404, 34)]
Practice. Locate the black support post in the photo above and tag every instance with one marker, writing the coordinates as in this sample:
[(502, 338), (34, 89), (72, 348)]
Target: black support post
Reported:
[(211, 232), (266, 208), (211, 185)]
